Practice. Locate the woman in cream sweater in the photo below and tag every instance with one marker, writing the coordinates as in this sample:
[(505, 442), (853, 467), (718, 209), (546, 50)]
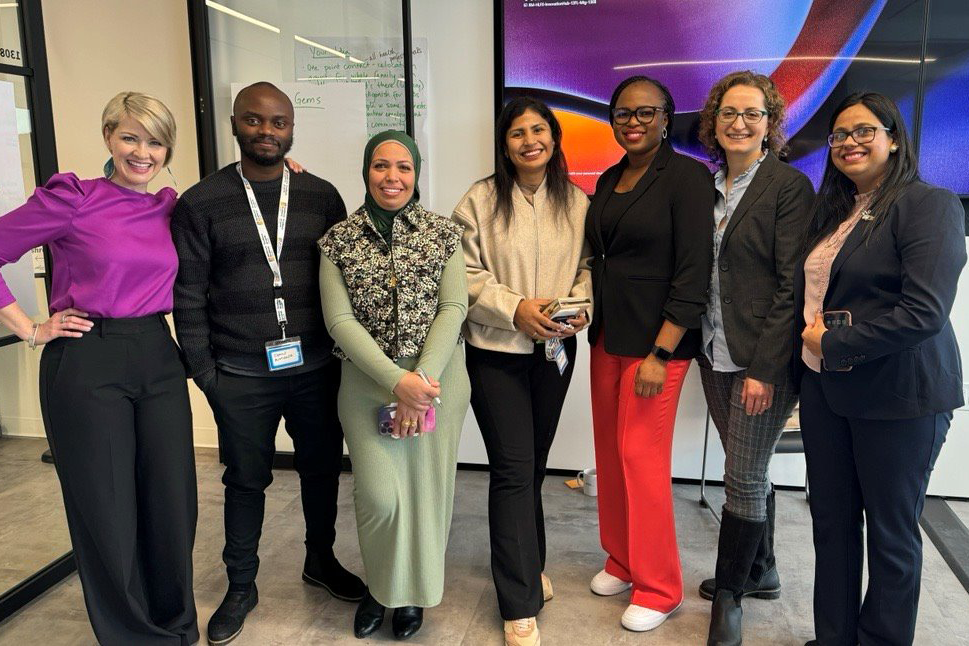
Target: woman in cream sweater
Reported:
[(524, 245)]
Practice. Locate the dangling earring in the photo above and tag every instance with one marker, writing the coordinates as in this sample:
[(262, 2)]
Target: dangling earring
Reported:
[(893, 149), (109, 167), (664, 133)]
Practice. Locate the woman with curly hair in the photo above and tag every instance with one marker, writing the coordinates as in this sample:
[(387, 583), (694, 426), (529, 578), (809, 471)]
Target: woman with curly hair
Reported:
[(761, 214)]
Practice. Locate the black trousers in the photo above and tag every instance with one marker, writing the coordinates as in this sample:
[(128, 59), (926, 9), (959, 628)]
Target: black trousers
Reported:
[(875, 472), (517, 400), (247, 411), (116, 410)]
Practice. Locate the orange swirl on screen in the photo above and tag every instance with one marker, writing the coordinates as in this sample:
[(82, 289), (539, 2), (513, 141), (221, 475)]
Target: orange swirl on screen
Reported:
[(589, 147)]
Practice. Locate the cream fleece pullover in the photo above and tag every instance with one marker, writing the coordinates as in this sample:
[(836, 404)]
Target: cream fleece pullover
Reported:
[(541, 254)]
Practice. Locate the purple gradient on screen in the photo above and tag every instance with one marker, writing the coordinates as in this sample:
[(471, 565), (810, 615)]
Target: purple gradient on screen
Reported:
[(542, 49), (944, 146), (801, 109)]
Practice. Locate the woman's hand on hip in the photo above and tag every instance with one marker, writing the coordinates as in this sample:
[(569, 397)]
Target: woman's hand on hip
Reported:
[(414, 393), (408, 421), (756, 396), (530, 320), (650, 376), (70, 323)]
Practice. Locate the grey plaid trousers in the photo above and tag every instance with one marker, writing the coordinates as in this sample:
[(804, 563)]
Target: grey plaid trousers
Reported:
[(748, 440)]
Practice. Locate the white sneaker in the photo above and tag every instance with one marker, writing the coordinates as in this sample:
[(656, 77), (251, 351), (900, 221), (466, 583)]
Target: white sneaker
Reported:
[(640, 618), (606, 585)]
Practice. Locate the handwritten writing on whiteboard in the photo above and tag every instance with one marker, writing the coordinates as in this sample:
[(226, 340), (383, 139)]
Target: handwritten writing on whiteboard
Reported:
[(378, 63)]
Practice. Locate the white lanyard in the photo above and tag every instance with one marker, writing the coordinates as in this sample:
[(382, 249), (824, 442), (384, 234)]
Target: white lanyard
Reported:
[(272, 257)]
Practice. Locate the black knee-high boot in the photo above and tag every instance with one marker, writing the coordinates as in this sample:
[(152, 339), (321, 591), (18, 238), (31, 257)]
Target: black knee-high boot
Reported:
[(763, 582), (738, 544), (763, 572)]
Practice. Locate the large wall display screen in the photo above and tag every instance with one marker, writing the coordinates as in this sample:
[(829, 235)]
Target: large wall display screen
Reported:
[(573, 53)]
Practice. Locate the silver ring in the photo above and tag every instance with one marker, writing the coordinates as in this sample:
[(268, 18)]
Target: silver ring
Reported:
[(63, 318)]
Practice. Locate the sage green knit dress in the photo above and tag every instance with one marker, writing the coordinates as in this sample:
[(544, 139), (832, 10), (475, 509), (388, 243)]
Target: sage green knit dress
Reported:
[(403, 490)]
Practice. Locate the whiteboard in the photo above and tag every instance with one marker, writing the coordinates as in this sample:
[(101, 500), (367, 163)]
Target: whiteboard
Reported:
[(329, 133), (378, 65), (19, 276)]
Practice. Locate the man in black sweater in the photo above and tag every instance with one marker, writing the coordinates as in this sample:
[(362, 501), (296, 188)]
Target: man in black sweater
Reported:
[(248, 320)]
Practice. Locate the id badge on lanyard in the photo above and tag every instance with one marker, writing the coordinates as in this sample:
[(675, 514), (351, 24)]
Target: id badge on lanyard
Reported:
[(285, 352), (555, 351)]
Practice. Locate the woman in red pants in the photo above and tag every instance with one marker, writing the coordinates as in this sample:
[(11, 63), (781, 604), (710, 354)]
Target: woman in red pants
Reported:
[(649, 225)]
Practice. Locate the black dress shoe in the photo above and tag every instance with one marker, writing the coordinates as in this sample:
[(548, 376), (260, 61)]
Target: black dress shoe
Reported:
[(369, 617), (226, 624), (407, 621), (323, 570)]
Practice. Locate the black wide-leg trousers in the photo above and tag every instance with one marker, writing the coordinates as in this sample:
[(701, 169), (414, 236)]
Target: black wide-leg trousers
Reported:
[(875, 473), (116, 411), (248, 411), (517, 400)]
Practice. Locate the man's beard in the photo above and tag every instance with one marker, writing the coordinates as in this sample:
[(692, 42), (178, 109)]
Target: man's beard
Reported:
[(247, 145)]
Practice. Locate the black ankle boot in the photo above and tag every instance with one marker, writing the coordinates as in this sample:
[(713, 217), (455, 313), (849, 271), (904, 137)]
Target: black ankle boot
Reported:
[(369, 617), (407, 621), (227, 621), (738, 543), (322, 569), (763, 582)]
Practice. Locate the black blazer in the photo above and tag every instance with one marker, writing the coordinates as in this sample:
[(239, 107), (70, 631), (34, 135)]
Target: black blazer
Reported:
[(759, 250), (657, 263), (899, 286)]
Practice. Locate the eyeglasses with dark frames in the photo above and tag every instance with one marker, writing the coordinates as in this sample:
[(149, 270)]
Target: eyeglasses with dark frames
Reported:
[(644, 114), (860, 135), (751, 116)]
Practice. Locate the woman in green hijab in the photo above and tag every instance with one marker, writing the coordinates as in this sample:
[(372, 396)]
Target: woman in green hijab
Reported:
[(394, 294)]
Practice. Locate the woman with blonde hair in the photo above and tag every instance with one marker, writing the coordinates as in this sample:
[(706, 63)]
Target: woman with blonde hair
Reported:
[(113, 392), (761, 213)]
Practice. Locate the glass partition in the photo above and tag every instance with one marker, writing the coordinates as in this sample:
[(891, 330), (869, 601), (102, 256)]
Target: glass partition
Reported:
[(340, 61)]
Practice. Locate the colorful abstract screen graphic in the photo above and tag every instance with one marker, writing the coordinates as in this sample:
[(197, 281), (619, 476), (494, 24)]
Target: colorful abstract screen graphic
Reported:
[(573, 54)]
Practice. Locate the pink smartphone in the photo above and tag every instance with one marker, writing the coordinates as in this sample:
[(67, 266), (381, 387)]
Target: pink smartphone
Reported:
[(385, 419)]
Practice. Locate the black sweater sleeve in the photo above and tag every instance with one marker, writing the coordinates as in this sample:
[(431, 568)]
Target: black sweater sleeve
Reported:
[(191, 237), (692, 214)]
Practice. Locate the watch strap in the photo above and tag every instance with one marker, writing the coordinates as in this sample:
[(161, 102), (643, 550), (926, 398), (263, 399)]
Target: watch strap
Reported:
[(661, 353)]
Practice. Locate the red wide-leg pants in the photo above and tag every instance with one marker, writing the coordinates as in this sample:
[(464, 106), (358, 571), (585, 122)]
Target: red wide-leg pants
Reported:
[(634, 443)]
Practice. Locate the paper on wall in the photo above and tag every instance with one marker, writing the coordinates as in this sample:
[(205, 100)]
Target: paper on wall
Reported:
[(378, 65)]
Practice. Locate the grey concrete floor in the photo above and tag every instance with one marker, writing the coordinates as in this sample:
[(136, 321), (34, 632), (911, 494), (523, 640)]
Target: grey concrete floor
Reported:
[(290, 612), (33, 530)]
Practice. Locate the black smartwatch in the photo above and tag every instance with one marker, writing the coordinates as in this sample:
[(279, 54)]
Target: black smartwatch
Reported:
[(662, 354)]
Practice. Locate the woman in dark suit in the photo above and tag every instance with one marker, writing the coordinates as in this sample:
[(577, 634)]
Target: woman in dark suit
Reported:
[(649, 225), (877, 394), (761, 213)]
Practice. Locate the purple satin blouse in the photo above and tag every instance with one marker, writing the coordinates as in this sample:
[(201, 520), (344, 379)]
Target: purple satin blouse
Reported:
[(112, 246)]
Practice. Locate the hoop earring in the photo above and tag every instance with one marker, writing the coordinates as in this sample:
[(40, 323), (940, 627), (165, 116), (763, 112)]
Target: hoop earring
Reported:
[(664, 133)]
